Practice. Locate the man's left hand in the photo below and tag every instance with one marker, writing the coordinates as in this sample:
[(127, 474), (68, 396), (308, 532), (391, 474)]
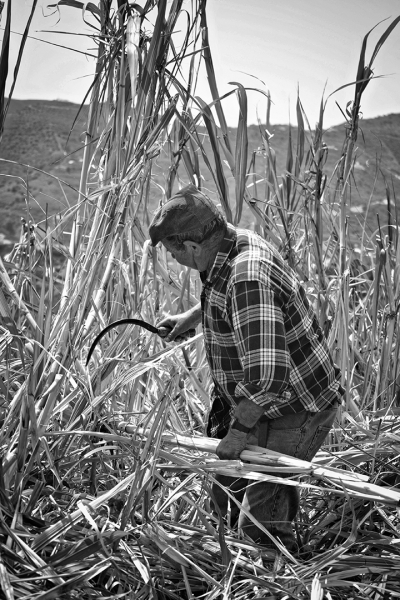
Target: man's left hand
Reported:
[(232, 445)]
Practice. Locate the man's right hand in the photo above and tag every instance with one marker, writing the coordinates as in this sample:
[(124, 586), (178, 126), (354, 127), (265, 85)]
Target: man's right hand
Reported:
[(180, 327)]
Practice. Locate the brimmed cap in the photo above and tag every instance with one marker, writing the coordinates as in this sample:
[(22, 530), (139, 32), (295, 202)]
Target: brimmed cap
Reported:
[(187, 211)]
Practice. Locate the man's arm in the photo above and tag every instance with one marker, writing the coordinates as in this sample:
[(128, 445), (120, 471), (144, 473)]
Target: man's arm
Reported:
[(261, 344), (259, 328)]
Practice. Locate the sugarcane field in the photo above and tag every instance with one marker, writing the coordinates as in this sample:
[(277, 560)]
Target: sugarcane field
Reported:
[(110, 472)]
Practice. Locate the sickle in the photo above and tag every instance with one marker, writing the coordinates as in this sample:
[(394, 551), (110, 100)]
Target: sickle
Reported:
[(139, 322), (161, 331)]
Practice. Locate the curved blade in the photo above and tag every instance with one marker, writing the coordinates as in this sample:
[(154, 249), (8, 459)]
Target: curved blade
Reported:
[(102, 333)]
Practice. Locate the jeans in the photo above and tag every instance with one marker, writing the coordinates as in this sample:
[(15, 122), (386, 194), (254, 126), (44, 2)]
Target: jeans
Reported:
[(275, 505)]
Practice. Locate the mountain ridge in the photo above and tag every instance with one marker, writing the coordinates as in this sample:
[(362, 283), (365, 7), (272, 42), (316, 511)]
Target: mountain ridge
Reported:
[(43, 140)]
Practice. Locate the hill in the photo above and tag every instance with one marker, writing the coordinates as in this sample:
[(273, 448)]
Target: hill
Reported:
[(44, 142), (376, 172), (43, 135)]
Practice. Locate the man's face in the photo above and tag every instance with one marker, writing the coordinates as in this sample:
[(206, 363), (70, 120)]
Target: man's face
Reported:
[(184, 256)]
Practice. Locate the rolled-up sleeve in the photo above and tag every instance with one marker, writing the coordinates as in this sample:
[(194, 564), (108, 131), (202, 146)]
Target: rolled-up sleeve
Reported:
[(258, 324)]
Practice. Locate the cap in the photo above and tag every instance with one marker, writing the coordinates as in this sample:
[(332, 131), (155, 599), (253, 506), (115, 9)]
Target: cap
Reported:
[(186, 211)]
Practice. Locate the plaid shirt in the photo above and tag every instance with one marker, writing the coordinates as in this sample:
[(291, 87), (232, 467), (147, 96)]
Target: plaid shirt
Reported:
[(262, 338)]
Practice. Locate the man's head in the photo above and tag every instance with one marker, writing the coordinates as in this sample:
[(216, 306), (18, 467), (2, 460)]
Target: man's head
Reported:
[(190, 226), (188, 213)]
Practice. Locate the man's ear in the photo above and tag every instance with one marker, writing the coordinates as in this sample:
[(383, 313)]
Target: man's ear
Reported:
[(193, 246)]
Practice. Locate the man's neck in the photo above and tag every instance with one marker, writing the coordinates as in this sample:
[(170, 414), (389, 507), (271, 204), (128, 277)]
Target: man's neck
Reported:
[(211, 255)]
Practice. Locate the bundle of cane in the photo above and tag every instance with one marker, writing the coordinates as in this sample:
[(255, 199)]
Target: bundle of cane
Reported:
[(261, 464)]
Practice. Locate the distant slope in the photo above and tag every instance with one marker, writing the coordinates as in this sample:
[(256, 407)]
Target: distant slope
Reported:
[(377, 164), (38, 133)]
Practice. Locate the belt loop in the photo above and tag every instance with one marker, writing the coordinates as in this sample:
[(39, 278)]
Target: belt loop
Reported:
[(263, 432)]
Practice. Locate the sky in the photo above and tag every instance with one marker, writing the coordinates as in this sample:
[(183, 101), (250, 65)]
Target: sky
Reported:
[(280, 46)]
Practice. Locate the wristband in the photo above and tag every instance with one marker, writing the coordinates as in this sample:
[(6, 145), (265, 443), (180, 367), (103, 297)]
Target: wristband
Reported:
[(239, 427)]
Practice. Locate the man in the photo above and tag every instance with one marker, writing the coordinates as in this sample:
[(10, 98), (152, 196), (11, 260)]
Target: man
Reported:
[(275, 384)]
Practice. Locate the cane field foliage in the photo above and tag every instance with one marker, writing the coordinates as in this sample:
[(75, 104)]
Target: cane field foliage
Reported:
[(105, 471)]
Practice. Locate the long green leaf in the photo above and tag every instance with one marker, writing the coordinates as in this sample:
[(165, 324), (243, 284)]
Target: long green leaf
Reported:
[(20, 53), (211, 76), (5, 50), (241, 150), (219, 176), (383, 39)]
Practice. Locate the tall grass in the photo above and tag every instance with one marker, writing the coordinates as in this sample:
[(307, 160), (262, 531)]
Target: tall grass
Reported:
[(92, 503)]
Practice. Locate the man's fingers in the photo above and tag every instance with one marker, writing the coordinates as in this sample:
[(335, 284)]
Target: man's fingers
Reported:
[(164, 331)]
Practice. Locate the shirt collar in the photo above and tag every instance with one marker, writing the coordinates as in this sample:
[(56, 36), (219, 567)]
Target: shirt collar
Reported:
[(224, 251)]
